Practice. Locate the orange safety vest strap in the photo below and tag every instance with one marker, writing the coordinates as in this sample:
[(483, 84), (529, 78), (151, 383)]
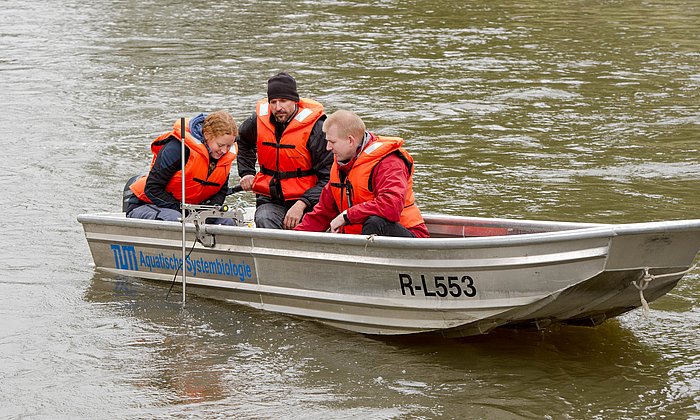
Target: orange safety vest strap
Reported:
[(288, 174), (207, 183), (279, 146)]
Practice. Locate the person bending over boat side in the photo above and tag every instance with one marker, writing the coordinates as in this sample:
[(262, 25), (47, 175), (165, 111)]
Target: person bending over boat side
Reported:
[(371, 185), (285, 137), (208, 160)]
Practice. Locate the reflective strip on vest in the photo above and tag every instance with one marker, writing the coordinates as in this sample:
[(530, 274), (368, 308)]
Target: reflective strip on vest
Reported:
[(301, 116)]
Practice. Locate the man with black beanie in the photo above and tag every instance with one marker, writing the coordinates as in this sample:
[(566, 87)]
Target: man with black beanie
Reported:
[(285, 137)]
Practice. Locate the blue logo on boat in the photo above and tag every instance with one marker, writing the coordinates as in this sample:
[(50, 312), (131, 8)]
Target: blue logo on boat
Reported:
[(126, 258)]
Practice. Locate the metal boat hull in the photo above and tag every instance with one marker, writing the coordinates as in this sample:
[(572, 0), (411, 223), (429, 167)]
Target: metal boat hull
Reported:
[(524, 272)]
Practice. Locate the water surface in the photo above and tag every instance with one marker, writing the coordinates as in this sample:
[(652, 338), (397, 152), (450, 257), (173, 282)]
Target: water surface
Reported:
[(574, 110)]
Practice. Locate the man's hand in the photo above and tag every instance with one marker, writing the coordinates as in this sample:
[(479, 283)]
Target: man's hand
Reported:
[(338, 222), (293, 216), (247, 182)]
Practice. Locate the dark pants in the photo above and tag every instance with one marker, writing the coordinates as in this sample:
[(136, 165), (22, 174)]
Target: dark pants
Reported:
[(376, 225)]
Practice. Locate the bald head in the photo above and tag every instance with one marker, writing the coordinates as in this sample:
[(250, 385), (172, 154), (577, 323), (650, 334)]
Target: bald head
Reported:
[(346, 123), (344, 134)]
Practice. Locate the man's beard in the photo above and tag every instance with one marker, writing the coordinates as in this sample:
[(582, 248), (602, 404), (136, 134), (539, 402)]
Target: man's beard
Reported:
[(282, 117)]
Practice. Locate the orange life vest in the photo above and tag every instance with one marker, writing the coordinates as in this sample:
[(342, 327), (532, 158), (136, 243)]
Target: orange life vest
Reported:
[(288, 161), (199, 184), (357, 187)]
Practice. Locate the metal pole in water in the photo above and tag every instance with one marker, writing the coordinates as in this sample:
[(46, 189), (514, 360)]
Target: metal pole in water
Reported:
[(184, 247)]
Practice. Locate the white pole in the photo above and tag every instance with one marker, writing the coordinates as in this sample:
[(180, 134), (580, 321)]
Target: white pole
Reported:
[(184, 246)]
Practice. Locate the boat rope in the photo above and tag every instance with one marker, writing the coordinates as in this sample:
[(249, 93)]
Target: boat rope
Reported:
[(647, 278)]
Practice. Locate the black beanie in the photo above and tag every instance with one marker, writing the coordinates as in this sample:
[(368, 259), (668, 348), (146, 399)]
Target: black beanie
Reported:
[(282, 86)]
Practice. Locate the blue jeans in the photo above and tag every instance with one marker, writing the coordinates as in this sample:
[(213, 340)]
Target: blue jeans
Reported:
[(270, 215), (152, 212)]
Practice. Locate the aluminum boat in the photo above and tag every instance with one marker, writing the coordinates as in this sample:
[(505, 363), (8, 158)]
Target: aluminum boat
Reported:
[(472, 275)]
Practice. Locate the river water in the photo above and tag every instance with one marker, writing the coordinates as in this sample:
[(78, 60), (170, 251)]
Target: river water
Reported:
[(571, 110)]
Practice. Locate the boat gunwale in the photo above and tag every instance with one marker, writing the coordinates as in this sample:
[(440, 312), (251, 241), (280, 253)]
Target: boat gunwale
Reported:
[(587, 231)]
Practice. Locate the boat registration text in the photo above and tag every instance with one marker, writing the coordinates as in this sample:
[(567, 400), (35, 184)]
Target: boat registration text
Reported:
[(437, 286)]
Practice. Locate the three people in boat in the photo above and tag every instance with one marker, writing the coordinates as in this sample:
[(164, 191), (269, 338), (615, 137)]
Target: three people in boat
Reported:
[(285, 136), (317, 173), (208, 142), (371, 184)]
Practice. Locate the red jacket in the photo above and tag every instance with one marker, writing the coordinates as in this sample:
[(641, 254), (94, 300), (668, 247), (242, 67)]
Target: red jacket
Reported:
[(356, 188), (391, 183)]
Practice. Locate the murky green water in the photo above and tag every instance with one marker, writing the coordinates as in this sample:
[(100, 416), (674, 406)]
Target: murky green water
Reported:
[(574, 110)]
